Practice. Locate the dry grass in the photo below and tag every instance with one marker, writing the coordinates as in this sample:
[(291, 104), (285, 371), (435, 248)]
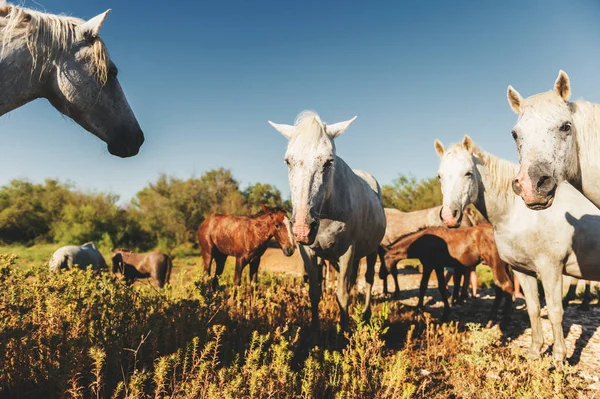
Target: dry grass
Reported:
[(85, 336)]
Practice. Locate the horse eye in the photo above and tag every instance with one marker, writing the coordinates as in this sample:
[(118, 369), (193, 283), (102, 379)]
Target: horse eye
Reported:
[(328, 164), (287, 162), (439, 177), (278, 225), (565, 127), (469, 174), (514, 134)]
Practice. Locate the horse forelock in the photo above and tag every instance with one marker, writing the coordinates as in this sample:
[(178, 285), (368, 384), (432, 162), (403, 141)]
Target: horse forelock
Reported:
[(47, 37), (310, 132)]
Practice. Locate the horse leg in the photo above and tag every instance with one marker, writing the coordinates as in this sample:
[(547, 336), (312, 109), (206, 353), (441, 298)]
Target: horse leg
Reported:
[(254, 270), (424, 282), (587, 297), (552, 282), (348, 269), (465, 286), (457, 276), (572, 293), (529, 287), (394, 272), (439, 272), (495, 306), (370, 279), (239, 267), (383, 271), (220, 259), (315, 281)]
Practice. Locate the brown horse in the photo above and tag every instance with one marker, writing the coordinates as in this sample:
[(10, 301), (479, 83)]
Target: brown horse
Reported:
[(438, 247), (135, 266), (245, 237), (402, 224)]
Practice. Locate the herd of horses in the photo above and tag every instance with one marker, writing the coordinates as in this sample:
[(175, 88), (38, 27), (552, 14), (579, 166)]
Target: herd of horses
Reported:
[(543, 211)]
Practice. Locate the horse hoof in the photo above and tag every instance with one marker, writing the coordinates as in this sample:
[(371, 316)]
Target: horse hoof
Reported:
[(533, 355)]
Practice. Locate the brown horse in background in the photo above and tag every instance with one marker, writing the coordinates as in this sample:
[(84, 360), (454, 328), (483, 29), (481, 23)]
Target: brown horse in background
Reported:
[(245, 237), (402, 224), (438, 247), (135, 266)]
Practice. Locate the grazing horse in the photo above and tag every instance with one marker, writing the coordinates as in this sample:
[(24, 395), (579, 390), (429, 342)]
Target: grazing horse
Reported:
[(81, 256), (557, 140), (548, 243), (245, 237), (438, 247), (64, 60), (337, 216), (135, 266), (401, 224)]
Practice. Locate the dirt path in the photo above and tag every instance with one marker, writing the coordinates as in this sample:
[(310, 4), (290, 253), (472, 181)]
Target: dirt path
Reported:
[(582, 329)]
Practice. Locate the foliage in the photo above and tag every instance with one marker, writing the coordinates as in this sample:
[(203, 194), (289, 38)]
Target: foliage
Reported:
[(77, 334), (165, 214), (409, 194)]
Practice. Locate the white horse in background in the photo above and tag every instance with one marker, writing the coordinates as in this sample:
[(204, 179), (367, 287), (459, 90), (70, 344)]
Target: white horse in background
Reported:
[(337, 212), (544, 244), (557, 140), (64, 60)]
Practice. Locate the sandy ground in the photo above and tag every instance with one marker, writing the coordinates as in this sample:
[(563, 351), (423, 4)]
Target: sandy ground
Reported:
[(582, 329)]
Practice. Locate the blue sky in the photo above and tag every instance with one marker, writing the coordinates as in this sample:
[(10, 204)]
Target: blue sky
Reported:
[(203, 78)]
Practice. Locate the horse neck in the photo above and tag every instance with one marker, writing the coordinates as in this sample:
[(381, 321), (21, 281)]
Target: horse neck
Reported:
[(495, 198), (22, 83), (587, 121), (339, 193), (263, 229)]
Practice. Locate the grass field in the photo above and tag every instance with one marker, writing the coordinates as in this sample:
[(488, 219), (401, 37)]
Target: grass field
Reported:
[(85, 336)]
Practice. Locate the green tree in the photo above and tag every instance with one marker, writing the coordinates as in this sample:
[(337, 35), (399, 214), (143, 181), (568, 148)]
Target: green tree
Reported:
[(262, 194), (409, 194)]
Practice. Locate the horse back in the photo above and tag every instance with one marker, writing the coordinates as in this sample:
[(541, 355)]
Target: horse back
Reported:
[(232, 235)]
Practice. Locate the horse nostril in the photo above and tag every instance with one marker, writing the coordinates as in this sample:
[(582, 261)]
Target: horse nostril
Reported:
[(516, 186), (542, 180), (455, 213)]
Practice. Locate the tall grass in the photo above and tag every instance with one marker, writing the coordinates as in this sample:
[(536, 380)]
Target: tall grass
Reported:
[(81, 335)]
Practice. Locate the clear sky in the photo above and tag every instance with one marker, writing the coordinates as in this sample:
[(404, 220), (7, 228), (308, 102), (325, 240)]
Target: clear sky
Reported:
[(203, 78)]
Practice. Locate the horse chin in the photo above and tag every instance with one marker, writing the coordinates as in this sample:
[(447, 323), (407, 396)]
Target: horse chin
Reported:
[(540, 205), (288, 251)]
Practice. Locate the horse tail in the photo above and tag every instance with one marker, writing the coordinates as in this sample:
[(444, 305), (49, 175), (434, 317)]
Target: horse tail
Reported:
[(58, 262), (503, 277)]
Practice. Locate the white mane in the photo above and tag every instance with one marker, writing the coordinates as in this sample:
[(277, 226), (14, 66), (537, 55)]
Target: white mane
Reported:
[(47, 37), (501, 172), (310, 130), (587, 122)]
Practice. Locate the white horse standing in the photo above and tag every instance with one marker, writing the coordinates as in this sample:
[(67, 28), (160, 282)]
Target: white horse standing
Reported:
[(64, 60), (337, 212), (557, 140), (546, 243)]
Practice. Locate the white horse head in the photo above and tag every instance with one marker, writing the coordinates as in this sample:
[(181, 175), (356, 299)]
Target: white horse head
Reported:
[(311, 161), (545, 137), (459, 179), (64, 60)]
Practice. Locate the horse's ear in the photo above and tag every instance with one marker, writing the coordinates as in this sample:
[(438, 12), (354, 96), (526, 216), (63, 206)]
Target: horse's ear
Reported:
[(563, 85), (514, 99), (468, 144), (4, 9), (336, 129), (288, 131), (439, 148), (92, 27)]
